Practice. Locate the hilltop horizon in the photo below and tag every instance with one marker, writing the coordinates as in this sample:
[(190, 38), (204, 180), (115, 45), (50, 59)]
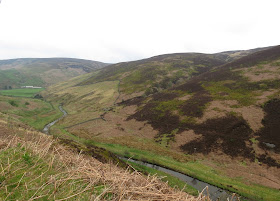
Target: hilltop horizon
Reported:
[(227, 50)]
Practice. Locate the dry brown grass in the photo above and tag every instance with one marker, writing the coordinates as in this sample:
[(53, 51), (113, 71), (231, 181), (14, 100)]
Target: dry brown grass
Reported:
[(261, 72), (121, 184), (82, 103)]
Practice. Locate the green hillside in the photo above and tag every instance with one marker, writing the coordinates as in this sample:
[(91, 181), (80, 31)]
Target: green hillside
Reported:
[(15, 73), (33, 112), (161, 72)]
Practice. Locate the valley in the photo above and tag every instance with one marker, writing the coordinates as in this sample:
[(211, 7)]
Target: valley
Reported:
[(33, 112), (214, 117)]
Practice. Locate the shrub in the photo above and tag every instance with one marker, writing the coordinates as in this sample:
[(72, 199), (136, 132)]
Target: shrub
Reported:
[(13, 103)]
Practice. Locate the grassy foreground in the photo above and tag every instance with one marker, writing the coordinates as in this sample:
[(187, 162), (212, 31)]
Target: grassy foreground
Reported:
[(35, 166), (29, 177)]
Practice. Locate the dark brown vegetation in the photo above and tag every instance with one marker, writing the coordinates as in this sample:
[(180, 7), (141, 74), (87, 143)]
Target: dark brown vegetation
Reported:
[(227, 134), (195, 106), (270, 133), (164, 122), (132, 101)]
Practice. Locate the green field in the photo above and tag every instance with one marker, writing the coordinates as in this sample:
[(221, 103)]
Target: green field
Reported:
[(29, 93)]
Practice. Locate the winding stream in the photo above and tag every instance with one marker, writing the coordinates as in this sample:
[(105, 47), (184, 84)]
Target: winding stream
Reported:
[(215, 193), (48, 126)]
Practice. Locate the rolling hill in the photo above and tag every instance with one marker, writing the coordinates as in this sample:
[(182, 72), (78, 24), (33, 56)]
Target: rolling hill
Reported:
[(221, 109), (155, 74), (87, 96), (43, 72), (237, 96)]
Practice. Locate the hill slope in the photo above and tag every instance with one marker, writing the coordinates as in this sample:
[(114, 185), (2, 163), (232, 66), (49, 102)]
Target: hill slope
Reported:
[(231, 112), (224, 114), (88, 96), (155, 74), (43, 72), (228, 93), (38, 167)]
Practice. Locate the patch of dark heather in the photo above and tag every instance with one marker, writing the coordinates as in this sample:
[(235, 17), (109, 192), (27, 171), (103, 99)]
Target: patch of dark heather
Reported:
[(270, 132), (226, 133)]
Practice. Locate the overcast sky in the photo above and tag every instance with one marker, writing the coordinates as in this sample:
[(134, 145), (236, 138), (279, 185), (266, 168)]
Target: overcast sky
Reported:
[(122, 30)]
